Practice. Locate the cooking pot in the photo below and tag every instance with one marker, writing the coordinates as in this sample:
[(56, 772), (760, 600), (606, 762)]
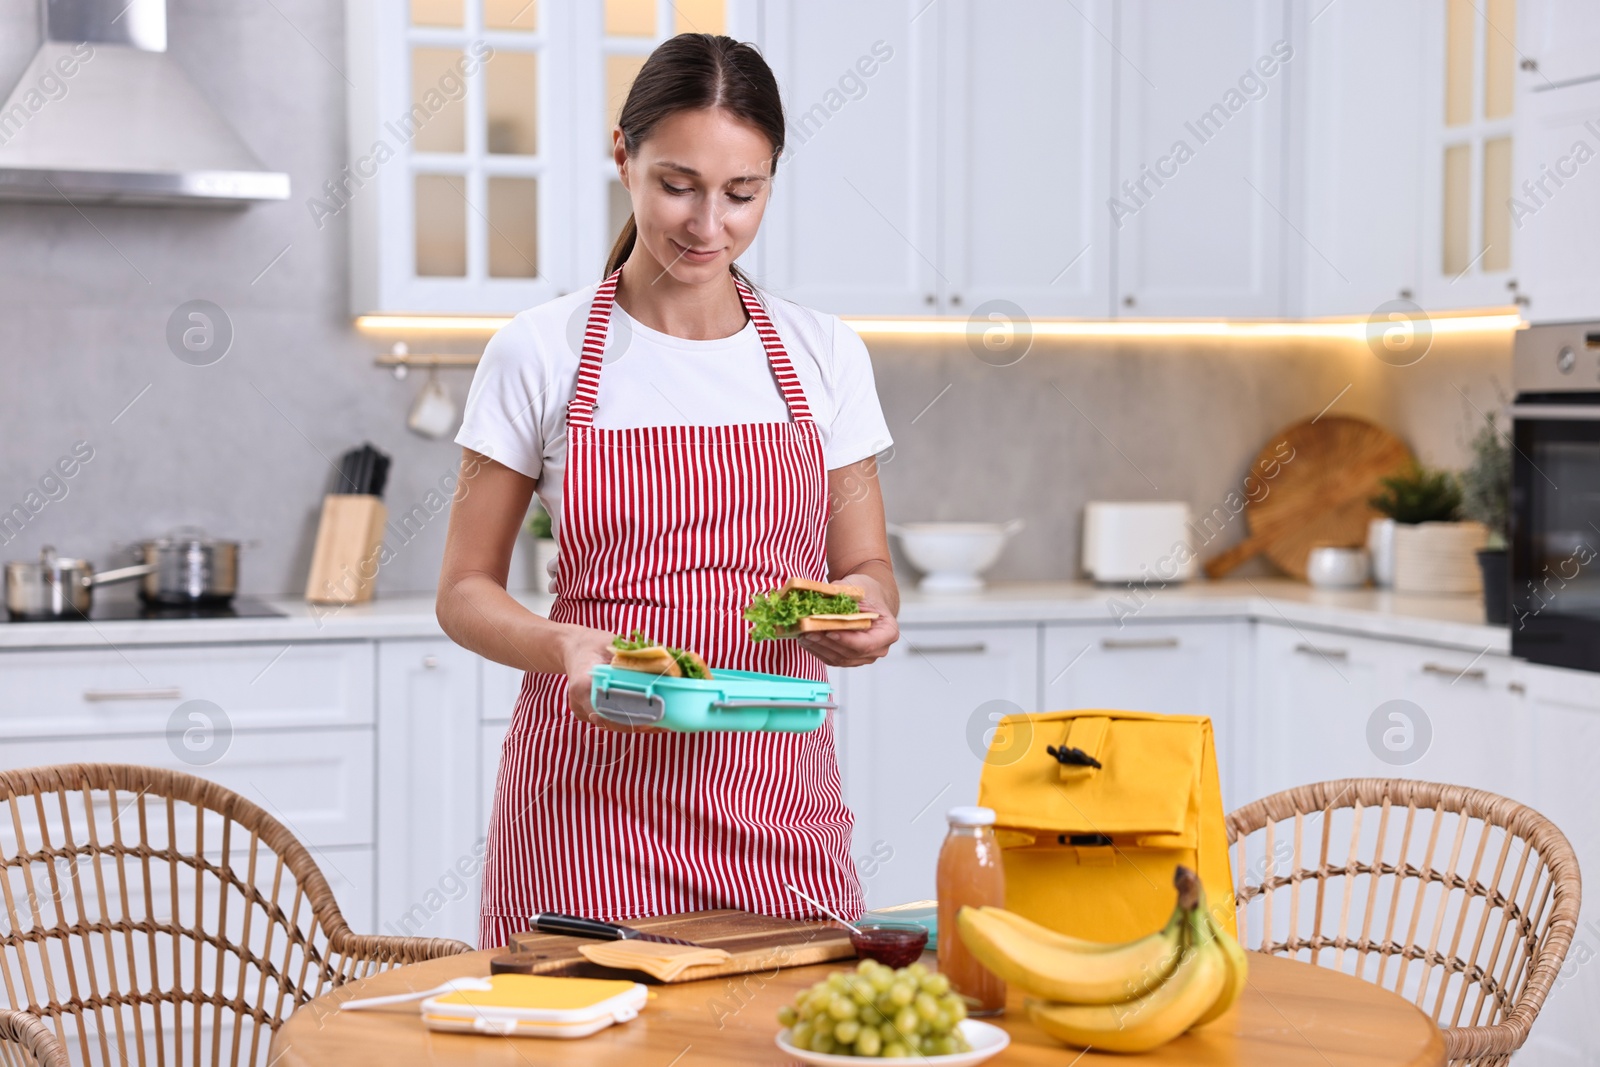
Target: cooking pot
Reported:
[(187, 567), (58, 587)]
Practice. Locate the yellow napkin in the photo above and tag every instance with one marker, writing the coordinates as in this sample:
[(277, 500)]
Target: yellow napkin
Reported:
[(658, 960)]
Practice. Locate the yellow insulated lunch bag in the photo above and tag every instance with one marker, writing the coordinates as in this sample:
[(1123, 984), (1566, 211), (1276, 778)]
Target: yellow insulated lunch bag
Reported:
[(1093, 811)]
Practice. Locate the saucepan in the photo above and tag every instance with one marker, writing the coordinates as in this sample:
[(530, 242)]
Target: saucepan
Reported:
[(58, 587)]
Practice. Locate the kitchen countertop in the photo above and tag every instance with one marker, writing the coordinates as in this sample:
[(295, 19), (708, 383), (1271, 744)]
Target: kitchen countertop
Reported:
[(1447, 621)]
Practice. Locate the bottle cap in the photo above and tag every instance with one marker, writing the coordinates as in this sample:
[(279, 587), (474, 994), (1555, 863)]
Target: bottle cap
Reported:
[(970, 816)]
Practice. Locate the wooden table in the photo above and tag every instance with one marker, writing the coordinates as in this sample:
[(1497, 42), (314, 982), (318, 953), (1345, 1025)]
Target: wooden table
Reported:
[(1292, 1013)]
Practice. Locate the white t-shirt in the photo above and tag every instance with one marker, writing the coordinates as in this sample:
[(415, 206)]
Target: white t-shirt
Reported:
[(516, 410)]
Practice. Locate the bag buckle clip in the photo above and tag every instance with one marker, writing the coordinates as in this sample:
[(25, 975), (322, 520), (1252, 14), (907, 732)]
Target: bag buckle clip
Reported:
[(1073, 757)]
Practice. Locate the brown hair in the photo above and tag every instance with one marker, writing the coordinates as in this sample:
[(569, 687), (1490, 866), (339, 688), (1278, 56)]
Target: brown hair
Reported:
[(694, 71)]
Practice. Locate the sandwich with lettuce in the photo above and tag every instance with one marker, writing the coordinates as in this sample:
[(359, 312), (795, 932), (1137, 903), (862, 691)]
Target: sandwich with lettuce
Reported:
[(638, 653), (805, 606)]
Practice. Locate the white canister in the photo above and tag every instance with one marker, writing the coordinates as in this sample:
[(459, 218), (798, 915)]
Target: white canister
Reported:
[(1380, 547)]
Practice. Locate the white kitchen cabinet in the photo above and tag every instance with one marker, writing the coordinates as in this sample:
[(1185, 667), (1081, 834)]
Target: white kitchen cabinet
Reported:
[(502, 686), (1560, 735), (852, 226), (1175, 668), (1469, 62), (917, 726), (1198, 194), (1025, 149), (1315, 692), (1476, 716), (1359, 145), (1556, 203), (478, 179), (430, 839)]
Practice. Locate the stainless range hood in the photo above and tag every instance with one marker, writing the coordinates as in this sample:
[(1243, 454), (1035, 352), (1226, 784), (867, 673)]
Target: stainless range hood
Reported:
[(103, 115)]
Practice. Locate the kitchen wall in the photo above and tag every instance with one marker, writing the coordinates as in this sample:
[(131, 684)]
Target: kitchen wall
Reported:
[(243, 447)]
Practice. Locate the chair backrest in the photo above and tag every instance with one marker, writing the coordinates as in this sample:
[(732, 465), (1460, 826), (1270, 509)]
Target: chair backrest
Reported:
[(1462, 901), (154, 917)]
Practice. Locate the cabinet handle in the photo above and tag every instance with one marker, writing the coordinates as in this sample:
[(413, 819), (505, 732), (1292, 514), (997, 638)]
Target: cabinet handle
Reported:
[(955, 298), (1128, 301), (1517, 688), (930, 300), (170, 692), (1477, 674), (1529, 64), (1326, 653), (976, 648), (430, 663), (1111, 644)]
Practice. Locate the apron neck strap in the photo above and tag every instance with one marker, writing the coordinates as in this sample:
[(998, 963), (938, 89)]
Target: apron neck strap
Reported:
[(580, 410)]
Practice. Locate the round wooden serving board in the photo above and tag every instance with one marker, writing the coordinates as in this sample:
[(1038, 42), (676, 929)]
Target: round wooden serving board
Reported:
[(1318, 475)]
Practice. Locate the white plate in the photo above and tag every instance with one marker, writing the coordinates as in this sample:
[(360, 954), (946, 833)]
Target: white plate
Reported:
[(986, 1040)]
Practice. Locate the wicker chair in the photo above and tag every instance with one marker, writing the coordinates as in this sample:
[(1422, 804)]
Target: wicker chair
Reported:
[(1462, 901), (155, 917)]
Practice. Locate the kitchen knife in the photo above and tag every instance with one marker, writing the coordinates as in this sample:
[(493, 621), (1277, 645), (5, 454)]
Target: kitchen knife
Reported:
[(548, 922), (380, 474), (347, 473)]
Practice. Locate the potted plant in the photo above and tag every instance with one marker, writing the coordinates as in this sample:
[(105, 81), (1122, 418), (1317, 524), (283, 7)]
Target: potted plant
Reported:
[(1434, 552), (1486, 498), (538, 527)]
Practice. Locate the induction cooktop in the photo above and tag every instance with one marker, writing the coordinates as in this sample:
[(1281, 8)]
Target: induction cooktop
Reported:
[(240, 607)]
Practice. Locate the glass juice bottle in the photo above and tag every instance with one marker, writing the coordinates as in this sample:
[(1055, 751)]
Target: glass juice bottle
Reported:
[(969, 876)]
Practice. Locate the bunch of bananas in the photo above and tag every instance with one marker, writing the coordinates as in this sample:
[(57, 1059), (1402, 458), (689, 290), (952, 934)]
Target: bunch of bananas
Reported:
[(1131, 997)]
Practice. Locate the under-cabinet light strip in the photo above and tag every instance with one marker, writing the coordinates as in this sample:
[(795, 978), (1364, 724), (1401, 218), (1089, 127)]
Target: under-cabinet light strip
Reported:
[(1114, 329)]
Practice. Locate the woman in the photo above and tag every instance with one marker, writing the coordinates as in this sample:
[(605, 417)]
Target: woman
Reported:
[(694, 443)]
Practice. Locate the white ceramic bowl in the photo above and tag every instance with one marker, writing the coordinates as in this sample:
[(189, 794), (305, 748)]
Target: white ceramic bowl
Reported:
[(986, 1040), (1336, 567), (953, 555)]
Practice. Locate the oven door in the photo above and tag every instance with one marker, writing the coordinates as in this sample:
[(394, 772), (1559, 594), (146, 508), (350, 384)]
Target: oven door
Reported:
[(1555, 529)]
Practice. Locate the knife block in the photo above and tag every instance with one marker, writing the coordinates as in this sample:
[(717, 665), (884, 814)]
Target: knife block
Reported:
[(344, 563)]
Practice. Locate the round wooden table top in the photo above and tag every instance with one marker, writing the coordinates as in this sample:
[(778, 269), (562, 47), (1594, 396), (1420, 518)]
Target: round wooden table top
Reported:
[(1292, 1013)]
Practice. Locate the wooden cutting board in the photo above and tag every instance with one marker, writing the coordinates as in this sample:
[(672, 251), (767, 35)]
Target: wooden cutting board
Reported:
[(754, 943), (1318, 495)]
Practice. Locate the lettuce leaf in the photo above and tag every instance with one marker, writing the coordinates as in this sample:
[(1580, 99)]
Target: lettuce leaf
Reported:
[(768, 613)]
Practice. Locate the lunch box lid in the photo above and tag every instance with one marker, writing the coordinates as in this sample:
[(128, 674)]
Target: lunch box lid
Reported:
[(537, 1005)]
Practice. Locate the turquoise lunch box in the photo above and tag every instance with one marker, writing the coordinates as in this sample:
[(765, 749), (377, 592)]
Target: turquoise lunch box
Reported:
[(732, 700)]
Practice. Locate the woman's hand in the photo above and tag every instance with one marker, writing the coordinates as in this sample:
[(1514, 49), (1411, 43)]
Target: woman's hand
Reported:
[(584, 648), (857, 648)]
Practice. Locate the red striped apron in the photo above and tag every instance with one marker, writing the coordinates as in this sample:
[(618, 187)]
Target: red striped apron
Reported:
[(670, 530)]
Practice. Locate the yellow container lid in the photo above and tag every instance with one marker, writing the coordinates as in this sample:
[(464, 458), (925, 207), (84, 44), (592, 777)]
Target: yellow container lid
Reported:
[(536, 1006)]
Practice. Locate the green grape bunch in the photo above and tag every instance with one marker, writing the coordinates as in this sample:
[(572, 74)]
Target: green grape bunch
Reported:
[(878, 1011)]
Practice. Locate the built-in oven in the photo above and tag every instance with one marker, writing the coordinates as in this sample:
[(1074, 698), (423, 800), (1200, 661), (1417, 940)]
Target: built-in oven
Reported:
[(1555, 496)]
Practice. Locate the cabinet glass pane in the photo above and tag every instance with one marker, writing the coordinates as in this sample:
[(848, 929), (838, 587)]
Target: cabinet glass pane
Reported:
[(619, 205), (513, 227), (1496, 197), (620, 72), (631, 18), (1500, 58), (436, 12), (511, 15), (511, 92), (1459, 31), (700, 16), (1457, 204), (441, 222), (437, 88)]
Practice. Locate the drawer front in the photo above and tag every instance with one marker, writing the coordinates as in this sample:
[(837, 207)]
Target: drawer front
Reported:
[(318, 783), (78, 692)]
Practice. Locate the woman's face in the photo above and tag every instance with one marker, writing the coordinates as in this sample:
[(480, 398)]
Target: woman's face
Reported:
[(699, 185)]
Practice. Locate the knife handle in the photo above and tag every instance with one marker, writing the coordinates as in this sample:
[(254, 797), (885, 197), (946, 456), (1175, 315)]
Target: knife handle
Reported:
[(549, 922)]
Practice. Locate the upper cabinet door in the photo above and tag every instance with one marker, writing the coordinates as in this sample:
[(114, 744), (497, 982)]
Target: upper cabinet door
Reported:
[(1025, 159), (851, 227), (1198, 200), (1360, 85), (1468, 103), (1555, 207), (456, 189)]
